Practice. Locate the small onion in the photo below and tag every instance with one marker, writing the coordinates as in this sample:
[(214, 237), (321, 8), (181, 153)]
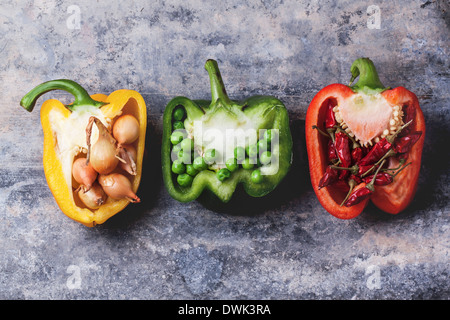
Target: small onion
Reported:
[(126, 129), (94, 197), (128, 155), (102, 155), (83, 173), (117, 186)]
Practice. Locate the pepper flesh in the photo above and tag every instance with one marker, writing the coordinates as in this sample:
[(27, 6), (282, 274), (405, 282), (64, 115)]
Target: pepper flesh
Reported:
[(260, 112), (110, 106), (392, 198), (395, 197)]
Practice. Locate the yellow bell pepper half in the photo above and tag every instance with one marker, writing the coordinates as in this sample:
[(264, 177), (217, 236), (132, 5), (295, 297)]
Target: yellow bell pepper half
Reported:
[(64, 139)]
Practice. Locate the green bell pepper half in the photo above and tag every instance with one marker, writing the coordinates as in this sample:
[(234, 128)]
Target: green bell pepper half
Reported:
[(256, 112)]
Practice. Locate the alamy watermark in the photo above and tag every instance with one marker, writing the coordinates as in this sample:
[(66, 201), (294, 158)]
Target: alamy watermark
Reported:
[(373, 281), (74, 279), (374, 19), (73, 22)]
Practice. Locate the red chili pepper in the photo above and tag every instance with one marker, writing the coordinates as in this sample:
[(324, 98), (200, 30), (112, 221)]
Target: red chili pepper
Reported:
[(405, 143), (362, 169), (381, 148), (342, 145), (402, 156), (409, 114), (376, 153), (356, 170), (343, 149), (330, 177), (358, 196), (357, 154), (331, 151), (353, 181), (382, 179), (364, 193), (330, 120), (356, 178)]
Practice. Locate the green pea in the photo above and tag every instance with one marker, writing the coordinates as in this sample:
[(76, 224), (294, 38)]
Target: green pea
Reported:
[(178, 113), (176, 148), (263, 145), (184, 156), (199, 164), (252, 151), (184, 180), (223, 174), (174, 153), (231, 164), (239, 153), (247, 164), (256, 176), (178, 167), (177, 125), (265, 157), (187, 144), (269, 134), (188, 124), (210, 156), (176, 137), (190, 170)]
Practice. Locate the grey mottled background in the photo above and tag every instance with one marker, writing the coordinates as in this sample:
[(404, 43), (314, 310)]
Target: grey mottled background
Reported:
[(288, 247)]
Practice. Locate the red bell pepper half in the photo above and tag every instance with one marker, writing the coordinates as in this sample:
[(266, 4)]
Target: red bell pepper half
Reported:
[(384, 128)]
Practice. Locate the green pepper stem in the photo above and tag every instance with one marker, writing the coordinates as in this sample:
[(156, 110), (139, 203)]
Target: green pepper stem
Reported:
[(353, 169), (354, 143), (401, 169), (321, 131), (401, 162), (81, 96), (388, 154), (391, 138), (368, 76), (352, 184), (371, 184), (218, 90)]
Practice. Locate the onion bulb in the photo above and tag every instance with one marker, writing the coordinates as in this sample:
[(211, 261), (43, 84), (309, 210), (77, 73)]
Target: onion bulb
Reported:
[(117, 186), (83, 173), (102, 155), (94, 197), (127, 159), (126, 129)]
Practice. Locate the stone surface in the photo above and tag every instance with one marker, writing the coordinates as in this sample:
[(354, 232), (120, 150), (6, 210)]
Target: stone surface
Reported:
[(288, 247)]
